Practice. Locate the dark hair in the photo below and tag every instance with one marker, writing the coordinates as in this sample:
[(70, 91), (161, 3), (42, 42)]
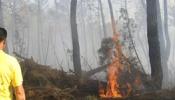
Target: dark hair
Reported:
[(3, 34)]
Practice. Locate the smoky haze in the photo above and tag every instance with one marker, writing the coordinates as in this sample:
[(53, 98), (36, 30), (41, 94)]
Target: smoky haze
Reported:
[(41, 29)]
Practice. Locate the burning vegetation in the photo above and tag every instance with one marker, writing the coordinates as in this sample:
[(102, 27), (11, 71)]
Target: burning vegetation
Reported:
[(113, 70), (123, 74)]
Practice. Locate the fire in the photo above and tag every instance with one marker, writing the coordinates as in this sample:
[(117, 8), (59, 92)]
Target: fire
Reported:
[(113, 70), (123, 72), (121, 81), (112, 84)]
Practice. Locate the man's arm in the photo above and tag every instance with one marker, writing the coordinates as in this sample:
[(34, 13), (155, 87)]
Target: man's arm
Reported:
[(19, 93), (17, 80)]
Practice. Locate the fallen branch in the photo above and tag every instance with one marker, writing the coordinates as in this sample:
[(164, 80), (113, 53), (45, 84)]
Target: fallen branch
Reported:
[(96, 70)]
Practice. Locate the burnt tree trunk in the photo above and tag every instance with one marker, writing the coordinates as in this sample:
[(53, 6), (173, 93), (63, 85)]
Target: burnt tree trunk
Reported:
[(103, 19), (112, 17), (75, 41), (154, 44)]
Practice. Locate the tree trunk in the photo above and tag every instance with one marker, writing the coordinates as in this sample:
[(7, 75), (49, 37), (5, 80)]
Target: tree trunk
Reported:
[(166, 30), (165, 44), (75, 40), (112, 17), (166, 16), (103, 19), (154, 45)]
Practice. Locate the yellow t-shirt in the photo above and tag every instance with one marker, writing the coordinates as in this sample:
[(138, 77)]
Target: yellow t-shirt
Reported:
[(10, 75)]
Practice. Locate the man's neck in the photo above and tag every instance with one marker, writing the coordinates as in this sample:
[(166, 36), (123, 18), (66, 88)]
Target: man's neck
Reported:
[(1, 46)]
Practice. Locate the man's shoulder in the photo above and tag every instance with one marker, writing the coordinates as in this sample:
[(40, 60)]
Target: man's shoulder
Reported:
[(11, 59)]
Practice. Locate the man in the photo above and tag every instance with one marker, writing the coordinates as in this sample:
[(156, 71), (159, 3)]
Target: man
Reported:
[(10, 73)]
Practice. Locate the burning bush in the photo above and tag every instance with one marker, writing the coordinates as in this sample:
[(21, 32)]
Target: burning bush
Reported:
[(123, 73)]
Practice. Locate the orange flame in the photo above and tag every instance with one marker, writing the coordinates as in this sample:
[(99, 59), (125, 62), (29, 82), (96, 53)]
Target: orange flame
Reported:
[(113, 71), (112, 85)]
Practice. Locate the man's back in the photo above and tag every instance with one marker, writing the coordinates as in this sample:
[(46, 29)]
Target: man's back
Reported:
[(10, 75)]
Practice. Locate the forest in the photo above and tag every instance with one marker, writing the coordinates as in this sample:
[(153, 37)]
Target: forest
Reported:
[(93, 49)]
